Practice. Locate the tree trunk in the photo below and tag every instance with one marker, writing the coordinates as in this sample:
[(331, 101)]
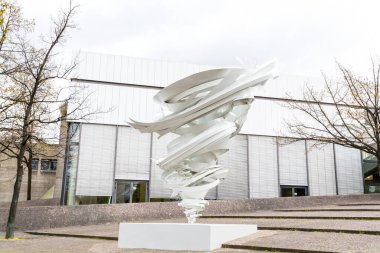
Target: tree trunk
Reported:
[(29, 165), (16, 193)]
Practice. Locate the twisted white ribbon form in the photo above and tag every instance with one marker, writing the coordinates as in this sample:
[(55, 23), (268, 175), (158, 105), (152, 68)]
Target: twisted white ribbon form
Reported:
[(205, 110)]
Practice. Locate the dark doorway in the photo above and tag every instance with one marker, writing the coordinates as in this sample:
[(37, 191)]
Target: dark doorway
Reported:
[(294, 191)]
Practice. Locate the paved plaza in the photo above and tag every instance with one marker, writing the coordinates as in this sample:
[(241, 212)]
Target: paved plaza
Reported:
[(351, 227)]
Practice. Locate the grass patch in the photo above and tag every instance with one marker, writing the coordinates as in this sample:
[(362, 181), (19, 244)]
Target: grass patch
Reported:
[(13, 239)]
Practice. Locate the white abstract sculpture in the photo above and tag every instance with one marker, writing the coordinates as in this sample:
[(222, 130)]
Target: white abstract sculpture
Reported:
[(206, 110)]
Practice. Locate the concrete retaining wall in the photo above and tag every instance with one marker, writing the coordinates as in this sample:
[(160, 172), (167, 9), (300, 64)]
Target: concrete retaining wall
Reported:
[(34, 202), (38, 217)]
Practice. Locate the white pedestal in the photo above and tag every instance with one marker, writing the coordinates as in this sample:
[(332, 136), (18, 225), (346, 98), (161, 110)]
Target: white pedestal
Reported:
[(180, 236)]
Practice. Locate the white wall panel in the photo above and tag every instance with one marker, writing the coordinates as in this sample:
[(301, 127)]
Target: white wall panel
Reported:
[(321, 169), (158, 189), (267, 117), (139, 71), (133, 154), (349, 170), (263, 167), (292, 163), (235, 186), (116, 104), (96, 160)]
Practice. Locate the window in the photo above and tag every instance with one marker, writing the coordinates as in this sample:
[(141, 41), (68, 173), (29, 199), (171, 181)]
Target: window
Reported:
[(131, 191), (35, 164), (49, 164), (74, 132)]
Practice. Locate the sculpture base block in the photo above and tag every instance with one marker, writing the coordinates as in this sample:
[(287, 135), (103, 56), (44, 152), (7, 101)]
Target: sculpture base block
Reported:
[(180, 236)]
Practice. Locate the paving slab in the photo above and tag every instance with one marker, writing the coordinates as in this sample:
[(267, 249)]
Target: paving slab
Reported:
[(51, 244), (102, 230)]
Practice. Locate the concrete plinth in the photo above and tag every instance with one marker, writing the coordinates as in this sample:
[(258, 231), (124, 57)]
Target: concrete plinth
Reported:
[(180, 236)]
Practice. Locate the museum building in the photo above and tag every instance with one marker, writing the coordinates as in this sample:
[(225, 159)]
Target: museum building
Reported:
[(109, 162)]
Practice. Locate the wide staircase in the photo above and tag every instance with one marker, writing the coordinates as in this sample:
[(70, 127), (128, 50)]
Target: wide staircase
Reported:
[(352, 227), (347, 227)]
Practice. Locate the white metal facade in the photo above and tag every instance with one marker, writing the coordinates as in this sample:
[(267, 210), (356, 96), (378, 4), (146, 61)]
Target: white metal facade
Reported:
[(96, 160), (131, 162), (258, 161), (322, 180), (263, 167), (236, 160)]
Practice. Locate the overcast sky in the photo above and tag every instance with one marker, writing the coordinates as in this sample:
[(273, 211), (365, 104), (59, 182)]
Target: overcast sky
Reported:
[(306, 36)]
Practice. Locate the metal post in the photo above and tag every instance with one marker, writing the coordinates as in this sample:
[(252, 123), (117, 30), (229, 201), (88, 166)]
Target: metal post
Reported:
[(248, 169), (114, 167), (307, 170), (336, 172), (150, 167), (278, 167)]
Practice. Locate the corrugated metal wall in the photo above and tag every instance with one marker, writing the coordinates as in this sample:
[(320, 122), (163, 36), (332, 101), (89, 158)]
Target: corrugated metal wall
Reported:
[(321, 169), (135, 160), (118, 91), (292, 163), (96, 160), (235, 186), (263, 167), (133, 154), (349, 170)]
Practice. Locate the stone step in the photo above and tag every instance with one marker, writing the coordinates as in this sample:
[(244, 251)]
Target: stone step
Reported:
[(352, 226), (98, 237), (253, 248), (361, 204), (325, 230), (330, 210), (313, 242), (290, 217)]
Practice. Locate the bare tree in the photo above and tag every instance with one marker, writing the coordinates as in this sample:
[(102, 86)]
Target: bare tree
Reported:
[(345, 112), (34, 101)]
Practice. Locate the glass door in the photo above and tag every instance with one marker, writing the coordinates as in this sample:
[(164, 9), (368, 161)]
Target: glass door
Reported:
[(131, 191)]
